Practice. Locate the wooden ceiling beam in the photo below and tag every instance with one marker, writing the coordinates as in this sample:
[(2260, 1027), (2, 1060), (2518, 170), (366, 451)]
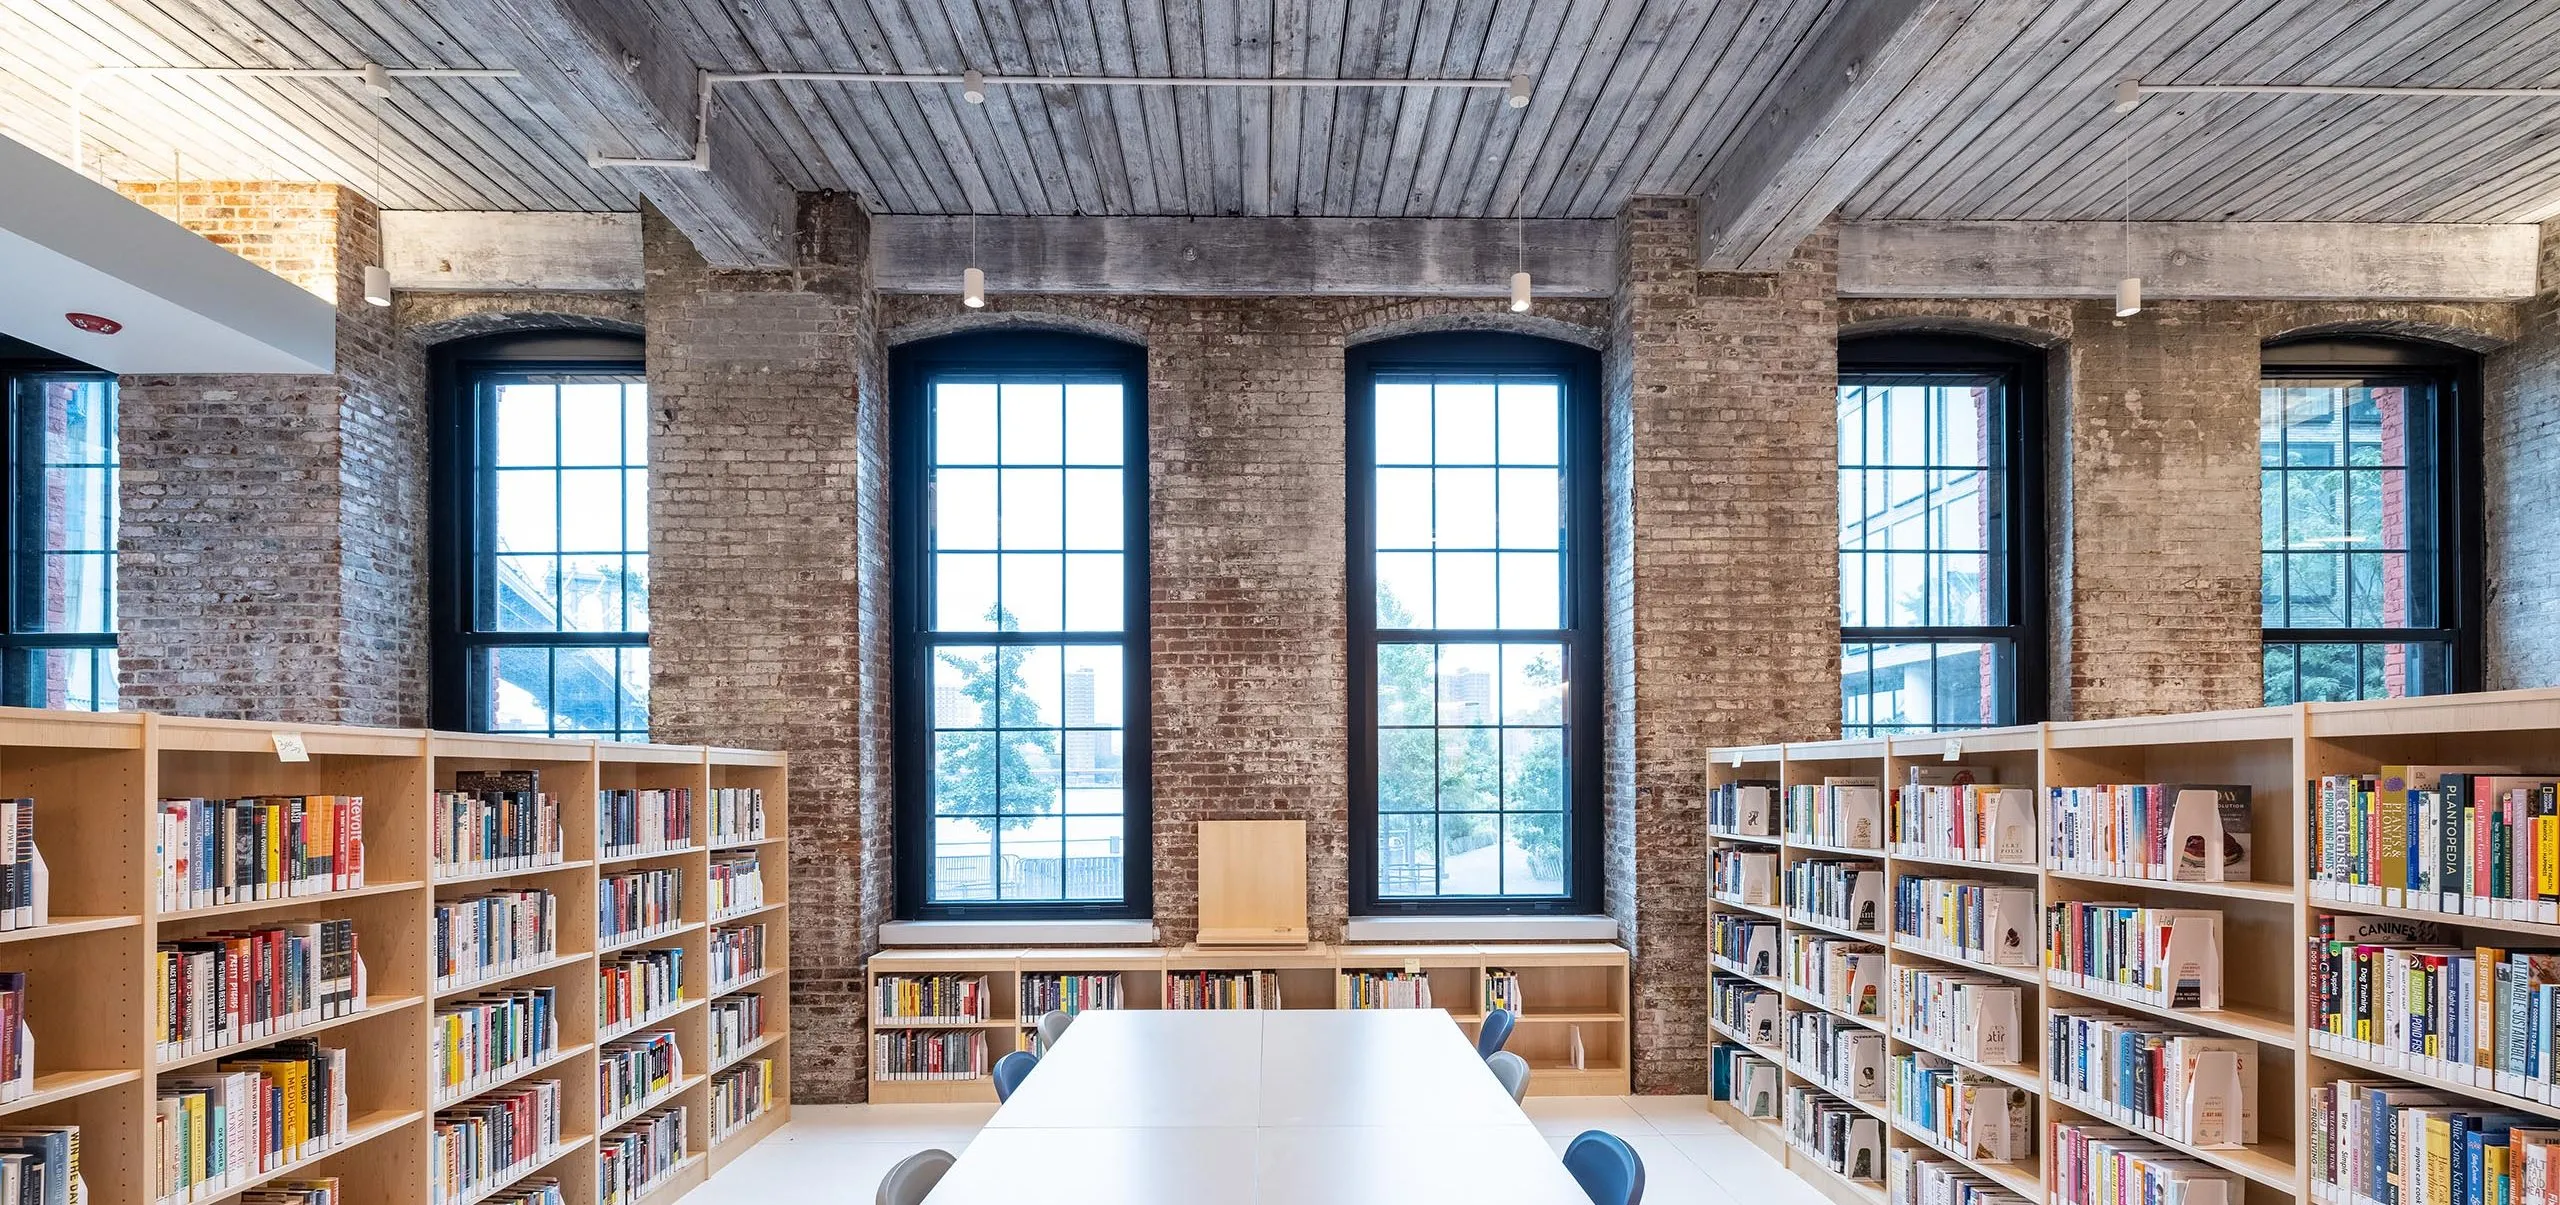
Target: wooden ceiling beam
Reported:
[(622, 85), (2309, 261)]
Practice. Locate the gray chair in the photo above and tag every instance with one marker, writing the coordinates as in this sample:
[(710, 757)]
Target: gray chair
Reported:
[(1053, 1026), (1513, 1071), (912, 1180)]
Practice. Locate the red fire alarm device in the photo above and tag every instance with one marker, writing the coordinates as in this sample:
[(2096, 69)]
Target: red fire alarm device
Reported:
[(95, 324)]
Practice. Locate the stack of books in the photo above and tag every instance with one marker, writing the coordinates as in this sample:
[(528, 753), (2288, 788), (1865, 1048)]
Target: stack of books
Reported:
[(2172, 832), (322, 1191), (1843, 894), (495, 1137), (932, 999), (631, 1074), (2466, 840), (223, 989), (1961, 1015), (737, 955), (2163, 957), (737, 815), (252, 1115), (483, 831), (1966, 1113), (2376, 1142), (1748, 1010), (25, 882), (638, 984), (740, 1095), (635, 902), (1839, 974), (1912, 1178), (2198, 1089), (41, 1164), (1744, 808), (2401, 994), (737, 884), (736, 1022), (633, 823), (490, 936), (1744, 944), (478, 1042), (17, 1039), (1228, 989), (1381, 989), (1747, 1080), (235, 851), (1745, 876), (1844, 812), (1966, 920), (1502, 990), (1837, 1135), (928, 1054), (1846, 1059), (1944, 812), (2103, 1164), (1043, 993), (631, 1163)]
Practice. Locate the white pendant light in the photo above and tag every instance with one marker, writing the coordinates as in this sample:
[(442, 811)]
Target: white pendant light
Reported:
[(2129, 286), (1519, 263), (375, 79), (973, 283), (973, 87), (1519, 92), (377, 279), (1519, 292), (2128, 297), (377, 285)]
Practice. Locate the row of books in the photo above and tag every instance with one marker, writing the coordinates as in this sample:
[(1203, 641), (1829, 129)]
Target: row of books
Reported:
[(1961, 1014), (323, 1191), (1913, 1178), (631, 1074), (1222, 989), (737, 953), (491, 1140), (2469, 840), (2402, 994), (632, 902), (1747, 808), (631, 1163), (1964, 1111), (737, 884), (736, 1022), (1843, 894), (1846, 1058), (1748, 876), (2164, 957), (25, 882), (212, 852), (1747, 1009), (1952, 812), (736, 814), (485, 832), (635, 985), (479, 1042), (1502, 990), (1381, 989), (1840, 974), (1843, 812), (1835, 1134), (1966, 920), (1745, 941), (928, 1054), (224, 989), (2198, 1089), (251, 1115), (2376, 1142), (634, 822), (739, 1096), (2106, 1165), (1074, 992), (17, 1039), (2172, 832), (1746, 1079), (40, 1165), (491, 935)]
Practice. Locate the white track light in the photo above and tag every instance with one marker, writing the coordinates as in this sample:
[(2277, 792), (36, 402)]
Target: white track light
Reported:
[(1519, 292), (377, 285), (376, 81), (2128, 94), (973, 87), (1519, 92), (973, 288), (2128, 297)]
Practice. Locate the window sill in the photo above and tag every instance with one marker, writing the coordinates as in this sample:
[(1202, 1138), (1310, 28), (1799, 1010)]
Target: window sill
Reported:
[(1481, 928), (1018, 933)]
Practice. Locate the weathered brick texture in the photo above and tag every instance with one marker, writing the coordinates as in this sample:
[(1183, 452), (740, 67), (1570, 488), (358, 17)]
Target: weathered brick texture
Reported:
[(2522, 454), (1720, 542), (769, 576), (272, 561)]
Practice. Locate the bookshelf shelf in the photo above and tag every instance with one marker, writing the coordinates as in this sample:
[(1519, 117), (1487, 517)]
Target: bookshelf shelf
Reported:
[(361, 1129), (1808, 1074), (465, 1092), (730, 918), (1809, 1000), (1947, 958), (1728, 967), (1772, 911), (1806, 920), (70, 926), (63, 1085), (1839, 851), (654, 1020), (748, 1051), (1736, 1036), (2273, 1031), (618, 1118), (2505, 1100), (1832, 1184), (486, 982), (676, 851), (1745, 838), (323, 899), (566, 1148), (2264, 892), (1964, 865), (2024, 1181), (651, 937), (2269, 1163), (680, 1178), (375, 1008), (520, 872), (734, 986), (2012, 1074)]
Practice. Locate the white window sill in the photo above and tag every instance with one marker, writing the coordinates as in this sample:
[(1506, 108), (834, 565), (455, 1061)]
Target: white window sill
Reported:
[(1018, 933), (1481, 928)]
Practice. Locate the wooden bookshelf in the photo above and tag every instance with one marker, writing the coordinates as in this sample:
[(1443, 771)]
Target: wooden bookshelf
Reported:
[(96, 780), (1566, 989), (2281, 753)]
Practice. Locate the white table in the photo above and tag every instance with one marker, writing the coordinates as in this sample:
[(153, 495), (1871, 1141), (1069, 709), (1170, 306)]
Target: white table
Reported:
[(1141, 1107)]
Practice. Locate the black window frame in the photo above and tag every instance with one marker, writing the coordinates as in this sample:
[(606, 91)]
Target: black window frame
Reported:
[(2460, 527), (1488, 353), (460, 519), (22, 445), (1921, 356), (913, 367)]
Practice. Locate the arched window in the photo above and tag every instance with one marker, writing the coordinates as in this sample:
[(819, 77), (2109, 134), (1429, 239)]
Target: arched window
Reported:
[(1475, 625), (1021, 632), (58, 640), (540, 600), (2369, 478), (1941, 534)]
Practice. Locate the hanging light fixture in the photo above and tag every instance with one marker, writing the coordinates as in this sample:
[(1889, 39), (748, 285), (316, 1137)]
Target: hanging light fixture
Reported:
[(377, 279), (973, 87), (1519, 92), (375, 79), (973, 283), (2129, 287), (1519, 263)]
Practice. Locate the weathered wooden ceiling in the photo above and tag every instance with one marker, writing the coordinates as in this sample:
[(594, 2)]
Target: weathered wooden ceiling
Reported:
[(1633, 96)]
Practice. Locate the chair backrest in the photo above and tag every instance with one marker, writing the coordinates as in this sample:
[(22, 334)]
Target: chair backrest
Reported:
[(1495, 1032), (1053, 1026), (1011, 1070), (913, 1178), (1513, 1071), (1606, 1168)]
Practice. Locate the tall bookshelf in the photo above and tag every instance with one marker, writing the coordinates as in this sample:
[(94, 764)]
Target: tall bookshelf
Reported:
[(2268, 920), (96, 780), (1567, 990)]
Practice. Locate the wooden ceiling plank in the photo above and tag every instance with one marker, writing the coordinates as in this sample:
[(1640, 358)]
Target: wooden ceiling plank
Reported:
[(1597, 168), (1128, 109), (1397, 117), (805, 120), (1064, 30), (1220, 56), (1007, 136), (1771, 37), (1428, 121), (1470, 138), (1551, 53), (1166, 142), (1211, 169), (2486, 159), (1376, 30), (1041, 43), (1315, 105), (1045, 116), (1289, 33), (951, 173), (878, 146), (1254, 50), (1556, 116)]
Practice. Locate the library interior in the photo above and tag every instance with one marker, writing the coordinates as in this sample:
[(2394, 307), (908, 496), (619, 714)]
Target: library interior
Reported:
[(920, 523)]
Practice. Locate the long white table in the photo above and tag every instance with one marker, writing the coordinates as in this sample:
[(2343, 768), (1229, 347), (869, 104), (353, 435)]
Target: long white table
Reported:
[(1143, 1107)]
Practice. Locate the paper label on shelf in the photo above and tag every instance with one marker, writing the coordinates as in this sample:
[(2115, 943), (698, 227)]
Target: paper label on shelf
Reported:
[(1954, 751), (1413, 966), (1737, 759), (289, 747)]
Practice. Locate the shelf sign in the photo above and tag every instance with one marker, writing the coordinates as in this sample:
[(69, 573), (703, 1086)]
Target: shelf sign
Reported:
[(1954, 750), (1413, 966), (289, 747), (1737, 759)]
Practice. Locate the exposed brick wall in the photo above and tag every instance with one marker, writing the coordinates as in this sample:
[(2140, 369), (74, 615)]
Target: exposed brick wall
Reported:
[(271, 561), (1723, 573), (2521, 440), (768, 575)]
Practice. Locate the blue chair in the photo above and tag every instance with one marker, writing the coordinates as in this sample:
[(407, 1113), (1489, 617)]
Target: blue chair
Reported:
[(1606, 1168), (912, 1180), (1513, 1071), (1011, 1070), (1495, 1033)]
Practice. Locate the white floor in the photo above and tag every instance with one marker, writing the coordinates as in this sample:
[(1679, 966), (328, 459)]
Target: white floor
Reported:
[(836, 1153)]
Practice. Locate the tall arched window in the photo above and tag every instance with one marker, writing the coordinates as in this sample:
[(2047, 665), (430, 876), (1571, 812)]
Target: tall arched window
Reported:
[(1475, 625), (58, 638), (2369, 480), (540, 602), (1941, 534)]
